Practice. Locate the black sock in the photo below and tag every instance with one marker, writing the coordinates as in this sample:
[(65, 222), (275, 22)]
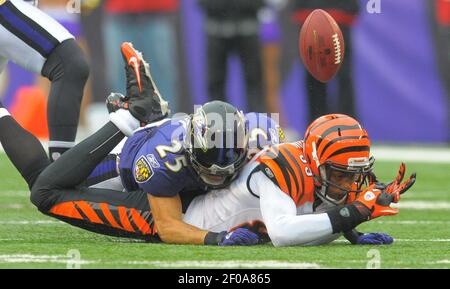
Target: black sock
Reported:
[(68, 71), (23, 149)]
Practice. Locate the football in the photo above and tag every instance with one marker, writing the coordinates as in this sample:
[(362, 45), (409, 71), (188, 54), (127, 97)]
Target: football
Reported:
[(321, 45)]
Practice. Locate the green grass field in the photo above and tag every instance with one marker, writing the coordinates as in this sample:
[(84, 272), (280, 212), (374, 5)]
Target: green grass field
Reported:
[(29, 239)]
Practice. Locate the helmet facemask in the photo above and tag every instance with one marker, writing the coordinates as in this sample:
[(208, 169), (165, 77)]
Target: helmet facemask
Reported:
[(216, 145), (338, 149), (338, 181), (215, 176)]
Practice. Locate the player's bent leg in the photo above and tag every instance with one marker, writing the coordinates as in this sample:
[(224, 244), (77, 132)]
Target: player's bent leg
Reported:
[(74, 166), (22, 148), (57, 193), (28, 35), (102, 211), (68, 71), (37, 42)]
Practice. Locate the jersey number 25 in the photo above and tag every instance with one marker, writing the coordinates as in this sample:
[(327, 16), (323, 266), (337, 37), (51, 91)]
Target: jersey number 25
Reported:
[(179, 162)]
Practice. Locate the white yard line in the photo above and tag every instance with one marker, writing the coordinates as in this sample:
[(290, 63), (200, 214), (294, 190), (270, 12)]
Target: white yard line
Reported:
[(424, 154), (398, 264), (408, 240), (424, 240), (11, 239), (14, 193), (62, 259), (430, 195), (12, 206), (29, 258), (423, 205), (42, 222), (226, 264), (413, 222), (440, 262)]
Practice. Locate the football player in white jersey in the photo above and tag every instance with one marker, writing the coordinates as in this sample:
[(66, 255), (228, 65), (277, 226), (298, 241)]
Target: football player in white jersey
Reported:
[(306, 193), (35, 41)]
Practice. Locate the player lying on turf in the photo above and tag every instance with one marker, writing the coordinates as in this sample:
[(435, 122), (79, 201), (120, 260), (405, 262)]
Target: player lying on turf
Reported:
[(308, 192), (162, 166), (297, 199), (35, 41)]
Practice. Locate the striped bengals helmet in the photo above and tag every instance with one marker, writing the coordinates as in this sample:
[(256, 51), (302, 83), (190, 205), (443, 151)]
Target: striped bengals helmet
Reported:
[(337, 142)]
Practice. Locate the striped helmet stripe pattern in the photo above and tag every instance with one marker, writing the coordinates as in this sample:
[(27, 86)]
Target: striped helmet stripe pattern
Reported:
[(337, 138)]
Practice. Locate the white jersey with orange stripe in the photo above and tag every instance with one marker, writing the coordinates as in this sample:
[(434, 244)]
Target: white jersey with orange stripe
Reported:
[(254, 197), (222, 209)]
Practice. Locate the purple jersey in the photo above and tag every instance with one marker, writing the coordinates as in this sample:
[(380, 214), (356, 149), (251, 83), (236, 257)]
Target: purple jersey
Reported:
[(263, 131), (154, 160)]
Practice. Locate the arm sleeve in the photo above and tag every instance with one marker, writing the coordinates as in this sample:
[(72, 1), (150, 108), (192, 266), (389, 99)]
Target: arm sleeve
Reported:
[(284, 226)]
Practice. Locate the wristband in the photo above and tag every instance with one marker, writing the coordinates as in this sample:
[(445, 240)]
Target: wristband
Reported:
[(213, 238), (345, 218)]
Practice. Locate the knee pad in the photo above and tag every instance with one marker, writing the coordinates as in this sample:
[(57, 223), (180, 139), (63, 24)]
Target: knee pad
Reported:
[(66, 61)]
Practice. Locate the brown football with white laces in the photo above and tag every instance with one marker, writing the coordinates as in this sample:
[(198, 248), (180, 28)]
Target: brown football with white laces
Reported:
[(321, 45)]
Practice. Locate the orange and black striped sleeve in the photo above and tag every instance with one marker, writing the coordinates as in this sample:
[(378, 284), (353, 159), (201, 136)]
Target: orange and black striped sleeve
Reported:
[(281, 165)]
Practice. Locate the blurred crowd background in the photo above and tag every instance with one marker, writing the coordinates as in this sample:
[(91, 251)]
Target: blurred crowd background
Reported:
[(395, 78)]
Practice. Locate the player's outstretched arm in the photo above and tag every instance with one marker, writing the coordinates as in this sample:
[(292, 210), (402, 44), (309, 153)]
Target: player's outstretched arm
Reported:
[(167, 214), (391, 193), (284, 226)]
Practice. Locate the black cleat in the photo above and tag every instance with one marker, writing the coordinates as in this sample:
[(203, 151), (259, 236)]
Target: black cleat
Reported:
[(140, 83)]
